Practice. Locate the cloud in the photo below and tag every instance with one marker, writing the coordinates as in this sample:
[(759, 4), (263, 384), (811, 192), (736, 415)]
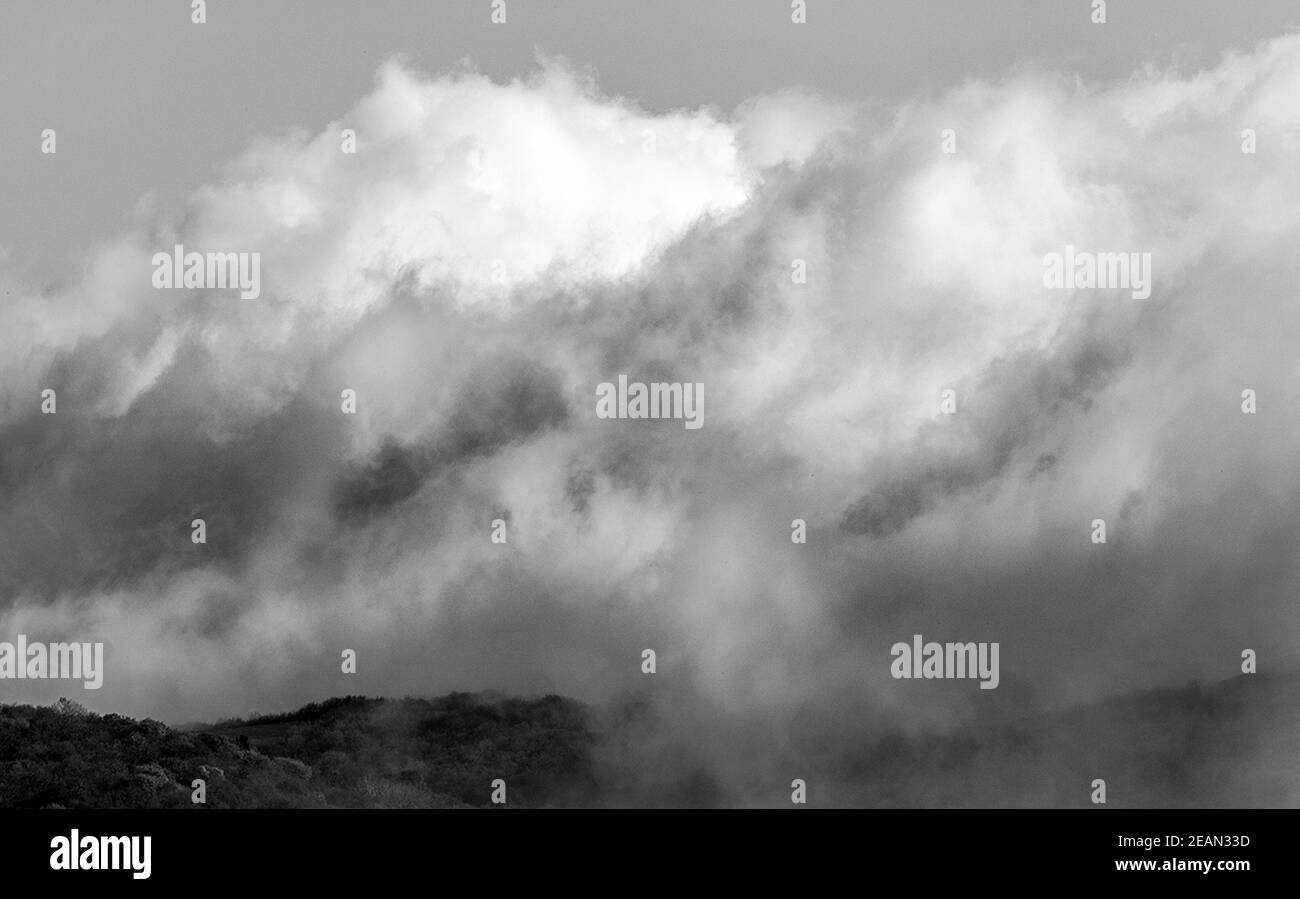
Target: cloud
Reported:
[(494, 251)]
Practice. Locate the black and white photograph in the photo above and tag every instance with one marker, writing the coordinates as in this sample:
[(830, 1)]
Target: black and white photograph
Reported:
[(859, 408)]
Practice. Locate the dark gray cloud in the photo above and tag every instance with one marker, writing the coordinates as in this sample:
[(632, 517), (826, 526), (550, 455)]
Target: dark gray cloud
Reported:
[(504, 401), (1018, 401)]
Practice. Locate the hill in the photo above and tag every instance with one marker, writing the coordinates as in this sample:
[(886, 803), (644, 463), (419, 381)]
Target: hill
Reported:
[(1231, 744), (344, 753)]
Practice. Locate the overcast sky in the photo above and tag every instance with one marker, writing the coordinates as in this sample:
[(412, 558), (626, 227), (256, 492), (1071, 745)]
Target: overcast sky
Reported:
[(598, 192)]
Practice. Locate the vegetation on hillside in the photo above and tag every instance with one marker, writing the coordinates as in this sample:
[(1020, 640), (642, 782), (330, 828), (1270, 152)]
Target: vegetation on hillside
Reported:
[(348, 752), (1234, 743)]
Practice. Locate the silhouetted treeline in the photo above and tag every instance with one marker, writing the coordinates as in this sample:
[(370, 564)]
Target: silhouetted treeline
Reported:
[(347, 752)]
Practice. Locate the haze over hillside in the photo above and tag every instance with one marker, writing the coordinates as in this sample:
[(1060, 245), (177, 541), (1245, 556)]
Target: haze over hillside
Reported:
[(1231, 744)]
